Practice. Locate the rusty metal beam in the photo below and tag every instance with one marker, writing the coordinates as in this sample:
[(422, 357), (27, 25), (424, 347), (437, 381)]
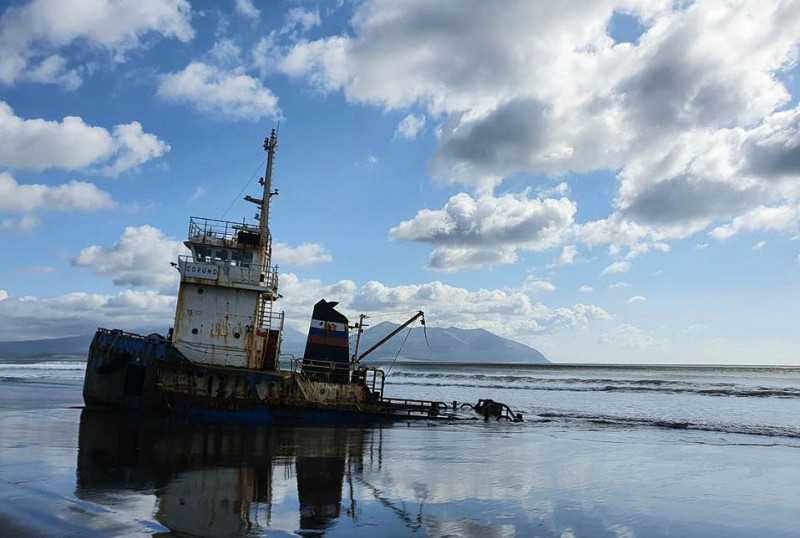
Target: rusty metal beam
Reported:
[(383, 340)]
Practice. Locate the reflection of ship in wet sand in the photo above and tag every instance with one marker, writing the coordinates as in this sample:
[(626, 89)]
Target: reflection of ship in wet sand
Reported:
[(217, 479)]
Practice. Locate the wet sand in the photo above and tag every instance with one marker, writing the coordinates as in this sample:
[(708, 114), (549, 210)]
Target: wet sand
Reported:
[(65, 471)]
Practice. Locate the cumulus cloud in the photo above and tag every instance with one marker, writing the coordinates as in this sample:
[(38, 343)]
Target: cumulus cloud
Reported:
[(567, 256), (470, 232), (140, 258), (781, 218), (637, 299), (31, 34), (616, 267), (692, 115), (409, 127), (586, 289), (629, 337), (27, 317), (246, 8), (303, 255), (71, 196), (533, 285), (24, 224), (510, 313), (220, 93), (38, 144), (304, 19)]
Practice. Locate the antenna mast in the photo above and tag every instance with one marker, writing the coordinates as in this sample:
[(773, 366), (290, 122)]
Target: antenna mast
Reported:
[(269, 146)]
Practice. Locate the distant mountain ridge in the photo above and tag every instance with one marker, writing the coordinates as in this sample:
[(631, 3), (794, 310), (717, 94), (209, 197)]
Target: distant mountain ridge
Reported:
[(449, 344), (446, 345)]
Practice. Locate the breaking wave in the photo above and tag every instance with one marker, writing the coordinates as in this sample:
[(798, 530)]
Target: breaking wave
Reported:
[(628, 422), (576, 384), (45, 372)]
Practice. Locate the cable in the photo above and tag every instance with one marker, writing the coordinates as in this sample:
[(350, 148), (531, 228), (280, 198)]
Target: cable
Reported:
[(243, 188), (398, 352)]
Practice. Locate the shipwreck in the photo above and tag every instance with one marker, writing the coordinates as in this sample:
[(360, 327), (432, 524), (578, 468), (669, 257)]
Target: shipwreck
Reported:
[(223, 356)]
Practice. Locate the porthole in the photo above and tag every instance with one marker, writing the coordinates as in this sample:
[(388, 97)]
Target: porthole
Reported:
[(194, 331), (236, 335), (200, 291)]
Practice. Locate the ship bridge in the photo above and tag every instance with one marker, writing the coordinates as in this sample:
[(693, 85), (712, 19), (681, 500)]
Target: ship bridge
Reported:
[(225, 312), (229, 253)]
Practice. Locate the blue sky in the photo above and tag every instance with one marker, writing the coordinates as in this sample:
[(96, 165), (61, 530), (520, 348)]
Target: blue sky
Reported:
[(614, 182)]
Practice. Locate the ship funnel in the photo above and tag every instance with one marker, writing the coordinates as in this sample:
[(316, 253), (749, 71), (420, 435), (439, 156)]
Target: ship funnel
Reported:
[(328, 335)]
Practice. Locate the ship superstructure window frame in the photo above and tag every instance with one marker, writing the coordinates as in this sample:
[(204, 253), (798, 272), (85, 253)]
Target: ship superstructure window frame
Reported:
[(223, 256)]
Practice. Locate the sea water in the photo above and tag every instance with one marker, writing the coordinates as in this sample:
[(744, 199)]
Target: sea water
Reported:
[(604, 451)]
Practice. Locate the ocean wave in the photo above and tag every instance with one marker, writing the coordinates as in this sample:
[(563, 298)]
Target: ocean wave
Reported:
[(47, 365), (718, 390), (627, 422)]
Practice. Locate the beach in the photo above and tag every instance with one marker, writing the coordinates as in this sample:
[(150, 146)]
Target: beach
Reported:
[(609, 451)]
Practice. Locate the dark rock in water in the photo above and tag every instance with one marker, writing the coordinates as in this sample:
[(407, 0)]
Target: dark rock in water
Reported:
[(447, 345)]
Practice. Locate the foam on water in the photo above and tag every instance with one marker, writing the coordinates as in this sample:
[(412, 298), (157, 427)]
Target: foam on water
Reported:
[(55, 371)]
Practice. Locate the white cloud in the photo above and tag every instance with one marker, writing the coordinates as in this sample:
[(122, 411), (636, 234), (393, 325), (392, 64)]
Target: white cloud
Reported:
[(37, 270), (409, 127), (225, 53), (81, 313), (471, 232), (38, 144), (32, 33), (71, 196), (692, 114), (510, 313), (303, 255), (616, 267), (535, 286), (618, 285), (639, 249), (198, 193), (303, 18), (24, 224), (637, 299), (629, 337), (140, 258), (701, 246), (567, 256), (135, 147), (220, 93), (246, 8), (3, 295), (586, 289), (784, 218), (759, 245)]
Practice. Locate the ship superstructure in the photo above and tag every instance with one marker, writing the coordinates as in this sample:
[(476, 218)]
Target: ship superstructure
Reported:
[(228, 287)]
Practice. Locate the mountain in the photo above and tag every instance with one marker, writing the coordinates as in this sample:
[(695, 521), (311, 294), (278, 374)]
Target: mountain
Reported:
[(447, 345), (70, 345)]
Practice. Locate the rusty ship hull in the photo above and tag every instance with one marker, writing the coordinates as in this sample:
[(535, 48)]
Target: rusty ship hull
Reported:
[(149, 375)]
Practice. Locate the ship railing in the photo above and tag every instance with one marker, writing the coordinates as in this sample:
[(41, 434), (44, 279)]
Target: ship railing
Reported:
[(373, 378), (411, 404), (203, 229), (318, 370)]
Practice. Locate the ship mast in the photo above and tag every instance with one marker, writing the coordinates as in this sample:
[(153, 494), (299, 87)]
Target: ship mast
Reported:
[(270, 144)]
